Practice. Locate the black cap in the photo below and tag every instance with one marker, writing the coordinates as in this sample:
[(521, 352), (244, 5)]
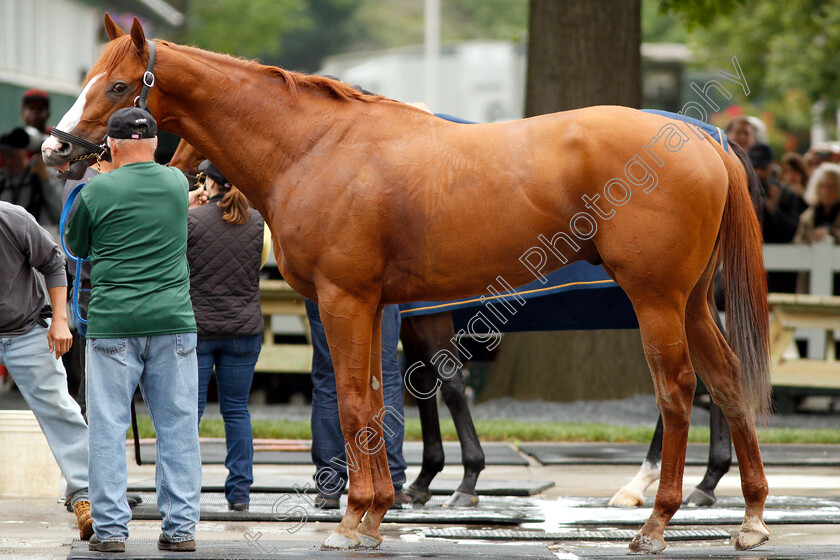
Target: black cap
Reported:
[(132, 123), (16, 138), (212, 171), (761, 156)]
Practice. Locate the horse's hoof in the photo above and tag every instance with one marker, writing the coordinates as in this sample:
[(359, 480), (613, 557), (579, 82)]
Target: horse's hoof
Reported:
[(643, 544), (460, 499), (753, 533), (418, 496), (700, 498), (624, 498), (367, 541), (337, 541)]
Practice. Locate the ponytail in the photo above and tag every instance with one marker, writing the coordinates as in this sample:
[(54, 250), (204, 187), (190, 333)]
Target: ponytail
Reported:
[(234, 205)]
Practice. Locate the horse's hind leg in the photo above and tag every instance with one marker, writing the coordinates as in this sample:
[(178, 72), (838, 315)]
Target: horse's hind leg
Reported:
[(718, 368), (632, 494), (662, 325), (472, 456), (422, 384), (373, 441)]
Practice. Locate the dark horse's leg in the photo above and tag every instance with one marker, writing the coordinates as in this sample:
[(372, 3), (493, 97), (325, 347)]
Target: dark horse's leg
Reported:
[(422, 337), (720, 449), (720, 459)]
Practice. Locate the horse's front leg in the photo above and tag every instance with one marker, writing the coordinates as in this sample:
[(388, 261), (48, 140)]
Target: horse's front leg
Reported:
[(374, 442), (720, 446), (349, 324), (720, 459)]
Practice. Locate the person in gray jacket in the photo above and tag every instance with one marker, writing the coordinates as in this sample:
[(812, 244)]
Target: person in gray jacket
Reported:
[(33, 336)]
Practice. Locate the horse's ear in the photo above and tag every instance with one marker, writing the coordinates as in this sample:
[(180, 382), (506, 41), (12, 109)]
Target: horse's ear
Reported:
[(138, 36), (111, 28)]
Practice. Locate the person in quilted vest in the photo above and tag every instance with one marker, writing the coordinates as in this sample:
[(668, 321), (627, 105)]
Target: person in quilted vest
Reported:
[(226, 247)]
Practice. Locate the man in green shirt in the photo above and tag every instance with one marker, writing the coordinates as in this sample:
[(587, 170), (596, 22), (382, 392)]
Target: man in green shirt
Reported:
[(132, 222)]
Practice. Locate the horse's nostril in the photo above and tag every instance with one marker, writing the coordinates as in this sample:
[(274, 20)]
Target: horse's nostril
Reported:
[(63, 148)]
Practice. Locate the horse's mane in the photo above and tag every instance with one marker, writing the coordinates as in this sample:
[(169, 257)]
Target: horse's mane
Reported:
[(121, 47)]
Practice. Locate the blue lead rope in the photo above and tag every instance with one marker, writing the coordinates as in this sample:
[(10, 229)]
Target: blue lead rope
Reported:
[(77, 280)]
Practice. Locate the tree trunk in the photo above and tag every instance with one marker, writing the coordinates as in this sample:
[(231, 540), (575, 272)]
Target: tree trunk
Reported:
[(582, 53)]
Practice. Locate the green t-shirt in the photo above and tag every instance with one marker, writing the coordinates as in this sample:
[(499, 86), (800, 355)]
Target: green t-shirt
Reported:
[(133, 224)]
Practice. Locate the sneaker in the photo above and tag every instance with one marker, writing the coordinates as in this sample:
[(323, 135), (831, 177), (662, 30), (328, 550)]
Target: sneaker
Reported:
[(83, 519), (238, 506), (324, 502), (181, 546), (95, 545)]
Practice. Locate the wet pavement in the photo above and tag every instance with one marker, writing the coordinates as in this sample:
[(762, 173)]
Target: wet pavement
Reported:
[(43, 529)]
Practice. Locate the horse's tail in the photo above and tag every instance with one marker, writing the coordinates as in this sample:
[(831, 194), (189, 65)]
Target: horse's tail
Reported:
[(745, 280)]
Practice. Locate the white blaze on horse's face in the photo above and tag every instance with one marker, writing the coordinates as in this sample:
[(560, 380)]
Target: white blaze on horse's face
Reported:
[(71, 119)]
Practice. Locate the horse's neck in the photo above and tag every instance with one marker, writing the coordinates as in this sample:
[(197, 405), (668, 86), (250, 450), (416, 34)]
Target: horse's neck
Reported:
[(236, 116)]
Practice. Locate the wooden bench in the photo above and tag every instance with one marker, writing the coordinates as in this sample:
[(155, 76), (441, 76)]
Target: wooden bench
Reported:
[(789, 312), (277, 298)]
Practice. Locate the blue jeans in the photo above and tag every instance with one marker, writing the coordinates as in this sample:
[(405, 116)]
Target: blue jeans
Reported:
[(327, 440), (234, 359), (43, 383), (165, 368)]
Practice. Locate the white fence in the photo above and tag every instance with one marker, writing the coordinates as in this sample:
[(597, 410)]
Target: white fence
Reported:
[(822, 261)]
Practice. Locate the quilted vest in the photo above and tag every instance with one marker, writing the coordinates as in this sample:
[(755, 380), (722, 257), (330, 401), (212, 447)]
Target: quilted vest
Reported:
[(224, 272)]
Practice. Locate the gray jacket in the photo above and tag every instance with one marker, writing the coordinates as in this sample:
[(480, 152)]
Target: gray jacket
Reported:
[(24, 248)]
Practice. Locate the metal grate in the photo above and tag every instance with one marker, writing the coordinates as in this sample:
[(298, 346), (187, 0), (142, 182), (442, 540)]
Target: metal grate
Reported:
[(572, 535)]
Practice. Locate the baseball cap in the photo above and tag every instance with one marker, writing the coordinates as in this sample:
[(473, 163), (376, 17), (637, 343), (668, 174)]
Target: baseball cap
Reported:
[(212, 171), (16, 138), (35, 94), (132, 123), (761, 155)]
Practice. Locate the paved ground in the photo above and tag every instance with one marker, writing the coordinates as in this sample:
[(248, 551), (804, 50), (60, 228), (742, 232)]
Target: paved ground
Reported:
[(42, 529)]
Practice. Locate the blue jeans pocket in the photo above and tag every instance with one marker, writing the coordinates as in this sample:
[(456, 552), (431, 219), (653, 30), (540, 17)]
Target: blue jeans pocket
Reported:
[(185, 343), (247, 345), (108, 346)]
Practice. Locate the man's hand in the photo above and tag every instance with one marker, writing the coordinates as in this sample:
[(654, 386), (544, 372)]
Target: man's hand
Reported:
[(198, 197), (59, 337)]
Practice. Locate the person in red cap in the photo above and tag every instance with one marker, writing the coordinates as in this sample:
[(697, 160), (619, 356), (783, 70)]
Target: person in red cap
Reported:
[(35, 109)]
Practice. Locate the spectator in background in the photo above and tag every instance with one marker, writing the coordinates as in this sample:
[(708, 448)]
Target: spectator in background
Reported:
[(819, 154), (34, 112), (741, 131), (781, 206), (822, 219), (795, 176), (227, 244), (781, 213), (19, 182)]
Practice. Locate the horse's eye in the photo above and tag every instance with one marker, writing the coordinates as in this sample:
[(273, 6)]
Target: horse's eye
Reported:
[(119, 87)]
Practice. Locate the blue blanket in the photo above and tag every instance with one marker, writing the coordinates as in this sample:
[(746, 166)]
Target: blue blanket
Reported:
[(577, 297)]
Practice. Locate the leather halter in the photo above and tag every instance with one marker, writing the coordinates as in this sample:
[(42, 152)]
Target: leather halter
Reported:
[(100, 151)]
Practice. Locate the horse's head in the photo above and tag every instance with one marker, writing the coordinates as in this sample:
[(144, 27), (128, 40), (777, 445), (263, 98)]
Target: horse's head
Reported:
[(113, 83)]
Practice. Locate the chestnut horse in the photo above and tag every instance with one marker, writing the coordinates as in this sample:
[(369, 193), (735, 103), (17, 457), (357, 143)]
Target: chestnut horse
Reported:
[(427, 336), (373, 202)]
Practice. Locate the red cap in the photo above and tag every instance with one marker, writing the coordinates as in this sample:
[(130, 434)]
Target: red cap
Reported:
[(35, 94)]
